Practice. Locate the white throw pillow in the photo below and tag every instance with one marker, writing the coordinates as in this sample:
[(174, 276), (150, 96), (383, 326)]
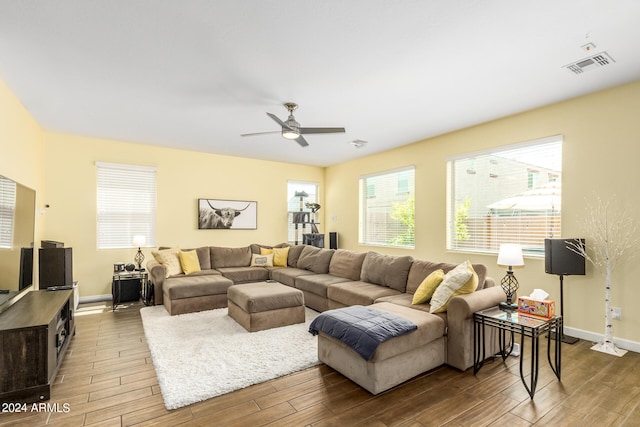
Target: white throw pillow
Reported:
[(461, 280), (170, 259), (259, 260)]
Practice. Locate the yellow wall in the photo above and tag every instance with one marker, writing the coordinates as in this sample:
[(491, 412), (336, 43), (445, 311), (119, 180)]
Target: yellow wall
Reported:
[(600, 154), (21, 153), (601, 144), (182, 178)]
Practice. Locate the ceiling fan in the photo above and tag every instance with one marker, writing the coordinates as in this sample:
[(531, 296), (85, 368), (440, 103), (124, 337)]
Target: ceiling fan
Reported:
[(291, 128)]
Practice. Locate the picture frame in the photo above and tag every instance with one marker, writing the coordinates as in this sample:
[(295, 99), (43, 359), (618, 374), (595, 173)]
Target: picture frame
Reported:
[(221, 214)]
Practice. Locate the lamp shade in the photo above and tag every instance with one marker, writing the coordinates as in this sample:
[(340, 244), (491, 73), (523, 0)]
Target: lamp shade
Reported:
[(510, 255), (139, 240)]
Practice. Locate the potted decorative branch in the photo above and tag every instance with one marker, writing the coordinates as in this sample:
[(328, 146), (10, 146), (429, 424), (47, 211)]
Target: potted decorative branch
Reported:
[(612, 233)]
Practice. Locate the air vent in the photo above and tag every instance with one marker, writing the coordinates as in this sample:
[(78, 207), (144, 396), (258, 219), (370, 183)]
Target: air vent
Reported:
[(358, 143), (592, 62)]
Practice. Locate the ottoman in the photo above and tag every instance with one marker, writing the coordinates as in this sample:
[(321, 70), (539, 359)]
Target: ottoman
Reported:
[(265, 305)]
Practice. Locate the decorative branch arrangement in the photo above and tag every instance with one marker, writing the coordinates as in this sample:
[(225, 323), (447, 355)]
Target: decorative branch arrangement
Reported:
[(612, 232)]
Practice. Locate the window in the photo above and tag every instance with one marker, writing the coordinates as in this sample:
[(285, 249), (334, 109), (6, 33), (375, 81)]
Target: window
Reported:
[(7, 211), (514, 197), (387, 213), (126, 205), (299, 194)]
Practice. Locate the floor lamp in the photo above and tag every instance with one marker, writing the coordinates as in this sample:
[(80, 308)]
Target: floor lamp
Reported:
[(561, 260)]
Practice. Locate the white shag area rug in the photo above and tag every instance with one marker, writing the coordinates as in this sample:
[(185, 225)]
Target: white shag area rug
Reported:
[(198, 356)]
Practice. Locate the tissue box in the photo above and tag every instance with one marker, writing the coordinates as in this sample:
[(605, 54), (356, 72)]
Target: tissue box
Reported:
[(535, 307)]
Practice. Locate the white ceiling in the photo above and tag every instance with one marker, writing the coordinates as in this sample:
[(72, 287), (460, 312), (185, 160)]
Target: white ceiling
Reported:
[(195, 74)]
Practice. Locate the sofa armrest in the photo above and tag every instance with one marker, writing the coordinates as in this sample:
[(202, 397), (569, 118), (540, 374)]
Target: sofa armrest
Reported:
[(157, 273), (460, 325)]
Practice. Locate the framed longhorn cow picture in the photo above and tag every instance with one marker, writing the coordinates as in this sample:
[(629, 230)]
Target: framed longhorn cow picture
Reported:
[(216, 214)]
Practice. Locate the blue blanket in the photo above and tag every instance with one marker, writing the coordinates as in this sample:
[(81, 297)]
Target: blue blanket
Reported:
[(361, 328)]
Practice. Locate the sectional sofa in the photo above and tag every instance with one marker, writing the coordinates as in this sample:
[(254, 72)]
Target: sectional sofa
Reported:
[(331, 279)]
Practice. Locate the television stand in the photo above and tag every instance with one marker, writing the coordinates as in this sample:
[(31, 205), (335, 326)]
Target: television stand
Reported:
[(34, 336)]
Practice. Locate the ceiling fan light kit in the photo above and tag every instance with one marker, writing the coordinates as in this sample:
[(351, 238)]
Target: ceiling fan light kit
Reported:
[(290, 129)]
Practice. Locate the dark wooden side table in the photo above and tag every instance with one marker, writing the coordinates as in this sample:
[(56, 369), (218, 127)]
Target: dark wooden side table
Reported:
[(527, 327), (125, 277)]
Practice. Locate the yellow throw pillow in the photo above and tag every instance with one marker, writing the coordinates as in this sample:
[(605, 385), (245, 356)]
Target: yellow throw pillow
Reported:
[(461, 280), (428, 287), (189, 261), (280, 256), (265, 251), (169, 260), (258, 260)]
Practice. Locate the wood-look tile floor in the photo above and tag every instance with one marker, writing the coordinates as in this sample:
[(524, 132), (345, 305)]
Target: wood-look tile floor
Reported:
[(108, 379)]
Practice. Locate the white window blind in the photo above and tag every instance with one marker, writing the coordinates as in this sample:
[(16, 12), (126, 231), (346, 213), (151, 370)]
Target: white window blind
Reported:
[(387, 212), (294, 204), (7, 211), (507, 195), (126, 204)]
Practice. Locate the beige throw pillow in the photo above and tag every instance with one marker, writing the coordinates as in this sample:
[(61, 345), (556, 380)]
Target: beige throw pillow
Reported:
[(258, 260), (170, 260), (461, 280)]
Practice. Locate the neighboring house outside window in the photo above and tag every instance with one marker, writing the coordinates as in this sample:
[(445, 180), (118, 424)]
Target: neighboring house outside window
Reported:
[(513, 195), (387, 208)]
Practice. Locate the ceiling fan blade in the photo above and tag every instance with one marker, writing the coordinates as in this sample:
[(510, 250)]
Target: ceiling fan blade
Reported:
[(260, 133), (321, 130), (303, 142), (277, 120)]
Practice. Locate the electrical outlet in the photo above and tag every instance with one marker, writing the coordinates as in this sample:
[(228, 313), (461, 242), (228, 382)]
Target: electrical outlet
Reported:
[(616, 313)]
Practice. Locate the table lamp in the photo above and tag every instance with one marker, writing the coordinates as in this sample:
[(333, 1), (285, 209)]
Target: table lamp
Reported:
[(510, 256), (139, 241)]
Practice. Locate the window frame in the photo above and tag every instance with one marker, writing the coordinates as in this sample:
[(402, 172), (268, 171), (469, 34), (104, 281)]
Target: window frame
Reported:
[(553, 220), (368, 191), (126, 184), (8, 197)]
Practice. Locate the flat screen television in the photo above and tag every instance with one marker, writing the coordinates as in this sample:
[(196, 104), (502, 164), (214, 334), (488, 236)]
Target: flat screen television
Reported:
[(17, 228)]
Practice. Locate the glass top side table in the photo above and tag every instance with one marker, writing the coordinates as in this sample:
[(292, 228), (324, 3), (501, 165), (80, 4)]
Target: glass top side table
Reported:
[(116, 284), (528, 327)]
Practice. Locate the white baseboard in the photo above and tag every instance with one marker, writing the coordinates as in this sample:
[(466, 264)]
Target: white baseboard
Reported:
[(95, 298), (592, 336)]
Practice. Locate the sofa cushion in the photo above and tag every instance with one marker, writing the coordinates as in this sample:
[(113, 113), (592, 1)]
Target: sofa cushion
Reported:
[(169, 260), (294, 255), (257, 248), (245, 274), (461, 280), (386, 270), (315, 259), (230, 257), (189, 261), (428, 287), (288, 275), (430, 328), (420, 269), (347, 264), (358, 293), (195, 286), (318, 283)]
